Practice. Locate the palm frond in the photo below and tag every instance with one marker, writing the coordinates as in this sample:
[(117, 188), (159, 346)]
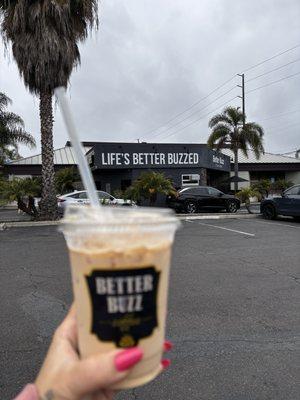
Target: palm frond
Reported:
[(4, 101), (11, 120), (219, 135), (243, 145), (235, 115), (13, 137), (255, 127), (219, 118), (45, 35), (252, 134)]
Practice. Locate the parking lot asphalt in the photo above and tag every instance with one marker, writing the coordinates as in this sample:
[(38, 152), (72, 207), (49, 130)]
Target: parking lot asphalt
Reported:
[(233, 310)]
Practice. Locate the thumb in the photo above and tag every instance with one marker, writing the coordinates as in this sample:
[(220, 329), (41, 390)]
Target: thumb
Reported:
[(102, 370)]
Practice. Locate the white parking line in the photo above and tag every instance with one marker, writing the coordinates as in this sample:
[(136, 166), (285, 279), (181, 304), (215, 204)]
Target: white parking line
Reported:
[(276, 223), (228, 229)]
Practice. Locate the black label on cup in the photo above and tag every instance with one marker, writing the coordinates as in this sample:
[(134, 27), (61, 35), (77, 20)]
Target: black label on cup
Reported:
[(124, 304)]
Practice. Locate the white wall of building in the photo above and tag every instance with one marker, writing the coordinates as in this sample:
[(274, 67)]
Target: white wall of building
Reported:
[(244, 175), (11, 177)]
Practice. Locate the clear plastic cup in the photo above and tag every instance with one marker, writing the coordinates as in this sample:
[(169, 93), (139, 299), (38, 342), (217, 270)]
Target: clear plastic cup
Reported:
[(120, 261)]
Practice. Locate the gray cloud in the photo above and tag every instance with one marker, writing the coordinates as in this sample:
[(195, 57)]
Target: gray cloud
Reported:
[(152, 59)]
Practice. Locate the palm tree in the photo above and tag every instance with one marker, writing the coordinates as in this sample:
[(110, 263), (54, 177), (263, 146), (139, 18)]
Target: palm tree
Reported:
[(148, 186), (228, 131), (44, 36), (12, 132)]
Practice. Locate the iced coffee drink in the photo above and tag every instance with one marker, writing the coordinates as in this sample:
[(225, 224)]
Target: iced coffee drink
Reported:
[(120, 267)]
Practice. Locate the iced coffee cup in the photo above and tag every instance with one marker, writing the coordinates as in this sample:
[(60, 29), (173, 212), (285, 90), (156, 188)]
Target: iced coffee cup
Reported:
[(120, 260)]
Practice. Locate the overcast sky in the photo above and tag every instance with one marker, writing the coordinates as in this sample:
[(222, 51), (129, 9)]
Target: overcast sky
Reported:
[(152, 59)]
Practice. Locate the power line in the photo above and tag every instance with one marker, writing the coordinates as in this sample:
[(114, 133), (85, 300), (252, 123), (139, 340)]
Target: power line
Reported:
[(195, 112), (190, 107), (271, 58), (280, 128), (198, 119), (279, 115), (219, 87), (272, 70), (272, 83)]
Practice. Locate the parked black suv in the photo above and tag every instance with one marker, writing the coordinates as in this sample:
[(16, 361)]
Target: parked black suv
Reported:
[(194, 199), (288, 204)]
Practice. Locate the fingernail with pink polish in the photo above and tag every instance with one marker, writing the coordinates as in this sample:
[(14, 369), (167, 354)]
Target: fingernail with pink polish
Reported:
[(168, 345), (128, 358), (165, 363)]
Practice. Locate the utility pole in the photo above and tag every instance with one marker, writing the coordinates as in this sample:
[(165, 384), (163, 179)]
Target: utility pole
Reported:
[(242, 86), (236, 150)]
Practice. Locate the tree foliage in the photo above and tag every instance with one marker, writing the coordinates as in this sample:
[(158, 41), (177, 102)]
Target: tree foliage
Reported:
[(148, 186), (23, 192), (44, 36), (245, 195), (282, 185), (263, 187), (65, 180), (228, 131), (12, 132)]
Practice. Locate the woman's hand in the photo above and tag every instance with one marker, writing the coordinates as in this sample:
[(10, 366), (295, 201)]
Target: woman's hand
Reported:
[(65, 377)]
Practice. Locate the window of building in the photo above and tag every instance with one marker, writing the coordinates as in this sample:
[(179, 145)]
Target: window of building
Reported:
[(190, 180)]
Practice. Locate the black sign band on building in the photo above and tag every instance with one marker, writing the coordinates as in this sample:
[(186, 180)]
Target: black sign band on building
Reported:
[(147, 155), (116, 166)]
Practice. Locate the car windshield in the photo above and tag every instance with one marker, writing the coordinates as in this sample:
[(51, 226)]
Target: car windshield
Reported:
[(293, 191)]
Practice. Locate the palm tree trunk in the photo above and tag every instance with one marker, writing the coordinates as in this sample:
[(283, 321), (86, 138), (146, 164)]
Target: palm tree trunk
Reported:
[(236, 169), (48, 203)]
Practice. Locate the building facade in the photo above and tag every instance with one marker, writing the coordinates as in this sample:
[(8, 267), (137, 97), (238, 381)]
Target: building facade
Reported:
[(116, 165), (268, 166)]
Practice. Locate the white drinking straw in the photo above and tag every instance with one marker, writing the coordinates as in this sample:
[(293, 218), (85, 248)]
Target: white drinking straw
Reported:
[(79, 154)]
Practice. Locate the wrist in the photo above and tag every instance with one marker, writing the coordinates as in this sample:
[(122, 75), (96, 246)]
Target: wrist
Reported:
[(30, 392)]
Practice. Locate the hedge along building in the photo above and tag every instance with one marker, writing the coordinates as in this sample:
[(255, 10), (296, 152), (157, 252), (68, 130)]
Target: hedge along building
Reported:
[(116, 165)]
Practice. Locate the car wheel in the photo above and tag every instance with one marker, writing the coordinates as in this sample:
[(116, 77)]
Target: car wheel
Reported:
[(232, 207), (191, 207), (269, 212)]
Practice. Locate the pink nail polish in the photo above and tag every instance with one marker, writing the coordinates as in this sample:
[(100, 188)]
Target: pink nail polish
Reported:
[(165, 363), (168, 345), (128, 358)]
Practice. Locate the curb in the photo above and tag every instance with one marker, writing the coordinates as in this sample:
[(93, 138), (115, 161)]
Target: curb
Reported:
[(184, 217), (7, 225)]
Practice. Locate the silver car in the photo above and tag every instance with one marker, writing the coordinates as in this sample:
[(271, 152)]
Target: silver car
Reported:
[(80, 197)]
